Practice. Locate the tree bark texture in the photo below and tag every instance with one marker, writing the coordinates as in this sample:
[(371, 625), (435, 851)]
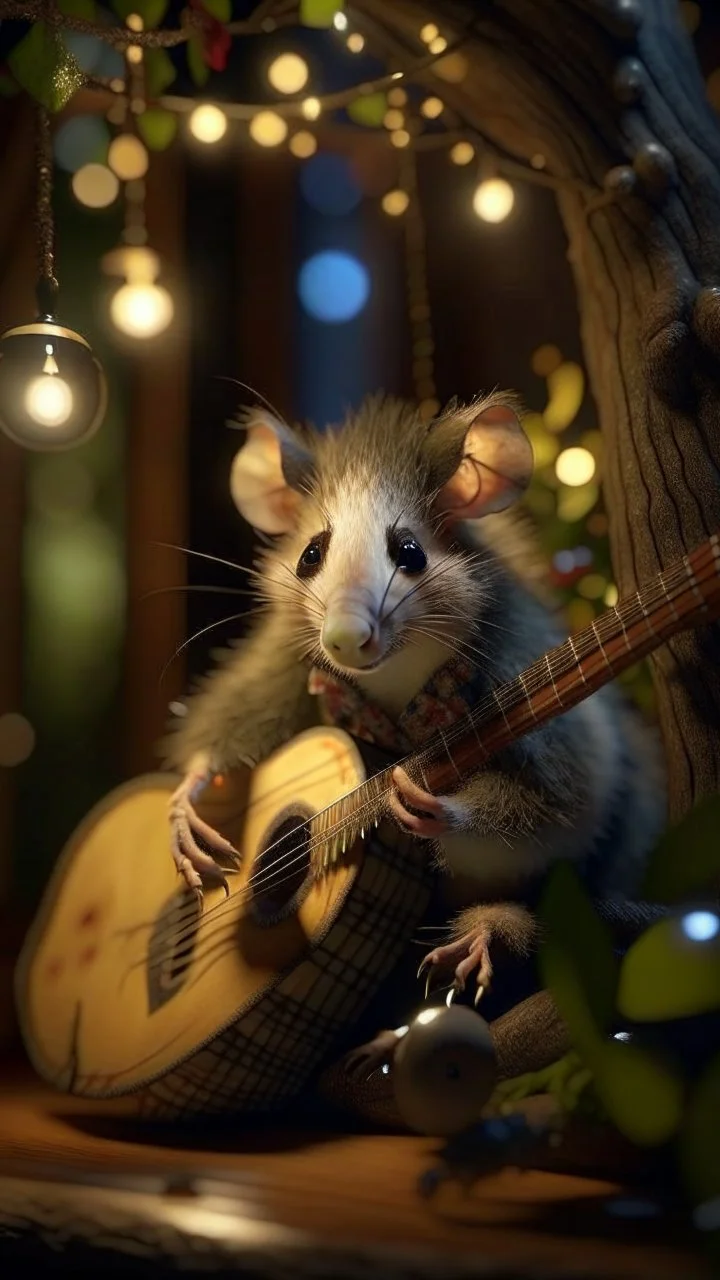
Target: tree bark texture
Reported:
[(609, 91)]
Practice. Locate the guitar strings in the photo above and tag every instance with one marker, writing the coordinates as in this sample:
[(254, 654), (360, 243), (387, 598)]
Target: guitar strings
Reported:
[(627, 613)]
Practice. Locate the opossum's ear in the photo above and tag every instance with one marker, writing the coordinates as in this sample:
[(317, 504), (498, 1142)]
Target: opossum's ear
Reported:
[(482, 462), (268, 473)]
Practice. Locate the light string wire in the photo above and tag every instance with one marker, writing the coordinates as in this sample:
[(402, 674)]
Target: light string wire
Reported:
[(668, 587)]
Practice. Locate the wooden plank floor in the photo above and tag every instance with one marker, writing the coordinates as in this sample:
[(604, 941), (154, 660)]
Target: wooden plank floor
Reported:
[(341, 1195)]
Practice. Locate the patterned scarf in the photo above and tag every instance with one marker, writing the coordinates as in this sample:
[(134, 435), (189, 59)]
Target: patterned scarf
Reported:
[(446, 698)]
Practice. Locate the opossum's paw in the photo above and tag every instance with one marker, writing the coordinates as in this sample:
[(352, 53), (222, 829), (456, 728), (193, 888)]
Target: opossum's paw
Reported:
[(462, 957), (437, 815), (192, 862), (360, 1063)]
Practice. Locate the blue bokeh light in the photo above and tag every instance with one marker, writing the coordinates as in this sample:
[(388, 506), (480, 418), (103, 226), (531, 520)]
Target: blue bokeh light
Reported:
[(700, 926), (333, 286), (88, 50), (328, 184), (81, 140)]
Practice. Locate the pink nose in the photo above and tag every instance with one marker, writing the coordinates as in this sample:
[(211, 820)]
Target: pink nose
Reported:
[(348, 638)]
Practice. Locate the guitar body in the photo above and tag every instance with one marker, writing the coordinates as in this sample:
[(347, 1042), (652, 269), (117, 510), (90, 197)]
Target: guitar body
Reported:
[(126, 986)]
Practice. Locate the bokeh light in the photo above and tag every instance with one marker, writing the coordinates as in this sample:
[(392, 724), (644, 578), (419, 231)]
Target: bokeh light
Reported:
[(288, 73), (80, 141), (311, 108), (438, 45), (17, 740), (141, 310), (429, 32), (545, 359), (87, 50), (493, 200), (575, 467), (356, 42), (400, 138), (208, 123), (303, 144), (334, 286), (328, 184), (452, 69), (268, 129), (431, 108), (395, 202), (462, 153), (128, 158), (95, 186), (700, 926), (566, 387)]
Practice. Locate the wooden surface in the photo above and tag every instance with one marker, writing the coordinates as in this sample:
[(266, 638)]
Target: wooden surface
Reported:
[(321, 1203)]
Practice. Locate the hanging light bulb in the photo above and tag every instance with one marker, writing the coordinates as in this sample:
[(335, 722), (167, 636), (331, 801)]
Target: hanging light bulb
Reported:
[(140, 308), (462, 153), (303, 144), (432, 108), (128, 158), (493, 200), (429, 32), (53, 393), (311, 108), (268, 129), (208, 123), (395, 202)]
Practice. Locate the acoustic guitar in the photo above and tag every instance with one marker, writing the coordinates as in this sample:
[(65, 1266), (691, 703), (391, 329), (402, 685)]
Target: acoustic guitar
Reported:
[(126, 986)]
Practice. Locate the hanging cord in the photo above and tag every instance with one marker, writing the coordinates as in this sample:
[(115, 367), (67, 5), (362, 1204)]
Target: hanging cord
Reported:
[(418, 297), (46, 290)]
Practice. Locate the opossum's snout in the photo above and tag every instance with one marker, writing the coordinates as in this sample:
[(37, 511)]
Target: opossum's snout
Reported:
[(349, 632)]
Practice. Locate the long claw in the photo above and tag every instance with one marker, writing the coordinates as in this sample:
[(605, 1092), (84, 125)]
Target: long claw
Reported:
[(478, 995)]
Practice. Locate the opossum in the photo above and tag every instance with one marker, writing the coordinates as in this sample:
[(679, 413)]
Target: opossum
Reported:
[(394, 557)]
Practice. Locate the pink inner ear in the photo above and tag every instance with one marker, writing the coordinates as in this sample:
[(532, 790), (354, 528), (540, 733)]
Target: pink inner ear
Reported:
[(495, 469), (258, 485)]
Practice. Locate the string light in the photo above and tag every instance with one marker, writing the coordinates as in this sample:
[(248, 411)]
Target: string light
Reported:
[(268, 129), (493, 200), (575, 467), (356, 42), (438, 45), (340, 22), (288, 73), (140, 308), (95, 186), (431, 108), (127, 157), (394, 119), (429, 33), (311, 108), (462, 153), (397, 97), (400, 138), (303, 144), (395, 202), (208, 123)]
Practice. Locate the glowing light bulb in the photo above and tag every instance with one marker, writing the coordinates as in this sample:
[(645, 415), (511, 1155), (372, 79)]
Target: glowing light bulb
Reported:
[(208, 123), (493, 200), (397, 97), (438, 45), (395, 202), (575, 467), (356, 42), (340, 22), (303, 144), (268, 129), (49, 400), (128, 158), (700, 926), (394, 118), (429, 32), (95, 186), (462, 153), (432, 108), (141, 310), (400, 138), (134, 54), (311, 108), (288, 73)]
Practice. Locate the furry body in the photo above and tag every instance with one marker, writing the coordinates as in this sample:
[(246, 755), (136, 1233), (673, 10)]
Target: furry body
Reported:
[(586, 786)]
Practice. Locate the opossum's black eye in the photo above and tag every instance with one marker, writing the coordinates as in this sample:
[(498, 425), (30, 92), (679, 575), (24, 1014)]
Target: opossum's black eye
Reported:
[(406, 553), (313, 556)]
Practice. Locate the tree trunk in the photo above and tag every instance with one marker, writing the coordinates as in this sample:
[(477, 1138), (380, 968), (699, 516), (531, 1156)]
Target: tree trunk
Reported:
[(610, 93)]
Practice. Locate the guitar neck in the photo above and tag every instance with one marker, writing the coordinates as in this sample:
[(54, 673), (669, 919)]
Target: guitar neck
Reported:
[(682, 597)]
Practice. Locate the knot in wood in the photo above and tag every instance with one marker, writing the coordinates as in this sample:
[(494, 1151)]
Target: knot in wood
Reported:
[(628, 81), (669, 364), (620, 181), (655, 167), (706, 319)]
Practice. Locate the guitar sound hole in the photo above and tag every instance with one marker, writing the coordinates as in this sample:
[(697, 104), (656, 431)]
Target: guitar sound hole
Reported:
[(280, 870), (170, 948)]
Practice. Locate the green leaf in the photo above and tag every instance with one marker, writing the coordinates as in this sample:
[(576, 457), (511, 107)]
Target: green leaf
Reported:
[(220, 9), (78, 9), (665, 974), (198, 68), (159, 71), (44, 68), (576, 959), (319, 13), (152, 12), (686, 861), (699, 1149), (642, 1096), (369, 109), (157, 128)]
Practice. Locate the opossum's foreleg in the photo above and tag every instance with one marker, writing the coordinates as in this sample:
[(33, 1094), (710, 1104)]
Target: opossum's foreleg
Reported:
[(473, 932)]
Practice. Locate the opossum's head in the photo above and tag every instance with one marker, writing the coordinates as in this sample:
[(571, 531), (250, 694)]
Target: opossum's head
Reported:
[(365, 516)]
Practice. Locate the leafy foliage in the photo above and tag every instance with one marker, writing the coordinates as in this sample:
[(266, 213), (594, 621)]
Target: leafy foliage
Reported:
[(157, 128), (641, 1094), (220, 9), (699, 1145), (319, 13), (686, 861), (44, 67), (159, 71), (197, 66), (369, 109), (667, 975)]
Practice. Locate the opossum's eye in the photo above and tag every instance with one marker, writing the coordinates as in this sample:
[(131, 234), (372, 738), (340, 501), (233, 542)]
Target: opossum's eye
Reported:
[(406, 553), (313, 556)]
